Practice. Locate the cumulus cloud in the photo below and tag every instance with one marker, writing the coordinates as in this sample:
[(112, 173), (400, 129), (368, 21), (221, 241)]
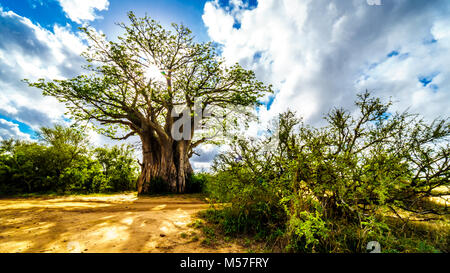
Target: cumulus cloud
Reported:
[(11, 130), (203, 159), (319, 54), (204, 154), (80, 11), (30, 51)]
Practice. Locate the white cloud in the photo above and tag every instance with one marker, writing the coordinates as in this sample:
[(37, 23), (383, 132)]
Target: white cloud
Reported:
[(32, 52), (83, 10), (9, 129), (201, 166), (319, 54), (441, 29)]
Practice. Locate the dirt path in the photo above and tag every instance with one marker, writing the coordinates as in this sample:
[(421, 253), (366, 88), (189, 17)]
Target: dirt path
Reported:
[(116, 223)]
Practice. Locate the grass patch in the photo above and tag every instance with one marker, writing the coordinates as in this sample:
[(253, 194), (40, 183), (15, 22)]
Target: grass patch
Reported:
[(399, 236), (215, 234), (195, 238)]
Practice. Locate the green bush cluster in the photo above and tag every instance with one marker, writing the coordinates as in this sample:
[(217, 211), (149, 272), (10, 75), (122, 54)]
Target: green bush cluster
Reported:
[(306, 189), (196, 182), (64, 162)]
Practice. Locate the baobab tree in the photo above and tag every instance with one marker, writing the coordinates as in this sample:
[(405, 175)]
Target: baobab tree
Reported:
[(137, 86)]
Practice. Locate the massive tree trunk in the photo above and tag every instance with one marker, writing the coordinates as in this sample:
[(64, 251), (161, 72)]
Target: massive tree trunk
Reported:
[(165, 166)]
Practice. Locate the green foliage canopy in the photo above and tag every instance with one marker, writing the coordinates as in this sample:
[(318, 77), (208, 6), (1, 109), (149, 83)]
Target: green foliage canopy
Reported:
[(135, 83), (64, 162)]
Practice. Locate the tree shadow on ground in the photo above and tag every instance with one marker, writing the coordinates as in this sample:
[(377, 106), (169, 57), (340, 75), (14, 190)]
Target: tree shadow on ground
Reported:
[(102, 224)]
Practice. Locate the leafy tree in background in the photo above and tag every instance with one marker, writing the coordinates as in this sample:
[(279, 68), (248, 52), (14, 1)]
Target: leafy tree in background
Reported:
[(121, 92), (64, 162), (24, 167), (118, 166), (67, 145)]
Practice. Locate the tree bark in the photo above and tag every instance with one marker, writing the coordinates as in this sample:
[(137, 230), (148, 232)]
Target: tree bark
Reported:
[(163, 163)]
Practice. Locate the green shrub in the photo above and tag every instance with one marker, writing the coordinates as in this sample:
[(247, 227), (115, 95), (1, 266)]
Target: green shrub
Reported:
[(63, 162), (158, 185), (322, 189), (196, 182)]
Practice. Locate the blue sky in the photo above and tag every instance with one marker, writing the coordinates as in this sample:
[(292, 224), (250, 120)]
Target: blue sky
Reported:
[(317, 54), (46, 13)]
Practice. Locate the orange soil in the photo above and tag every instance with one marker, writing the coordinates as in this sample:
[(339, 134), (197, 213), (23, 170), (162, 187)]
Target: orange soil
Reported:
[(117, 223)]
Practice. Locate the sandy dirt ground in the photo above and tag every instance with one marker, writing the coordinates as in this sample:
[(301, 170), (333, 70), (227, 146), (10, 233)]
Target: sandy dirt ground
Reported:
[(118, 223)]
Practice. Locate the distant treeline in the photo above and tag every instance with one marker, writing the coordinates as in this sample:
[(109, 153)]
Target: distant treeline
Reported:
[(63, 161)]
